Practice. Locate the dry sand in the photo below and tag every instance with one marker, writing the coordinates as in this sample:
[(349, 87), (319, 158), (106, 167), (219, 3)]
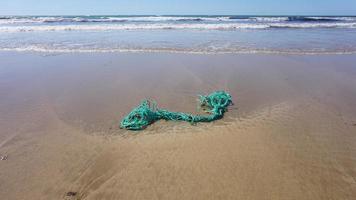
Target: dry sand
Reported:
[(290, 135)]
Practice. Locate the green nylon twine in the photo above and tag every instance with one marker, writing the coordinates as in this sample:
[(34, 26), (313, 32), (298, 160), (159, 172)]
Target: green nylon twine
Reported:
[(147, 112)]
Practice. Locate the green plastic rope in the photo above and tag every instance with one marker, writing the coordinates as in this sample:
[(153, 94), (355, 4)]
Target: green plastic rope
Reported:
[(147, 112)]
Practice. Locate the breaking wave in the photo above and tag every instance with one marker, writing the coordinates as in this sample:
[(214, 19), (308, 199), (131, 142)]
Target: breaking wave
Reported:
[(167, 26), (183, 34), (128, 19)]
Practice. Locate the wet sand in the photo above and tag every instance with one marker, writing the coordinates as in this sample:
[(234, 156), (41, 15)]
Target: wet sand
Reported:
[(291, 133)]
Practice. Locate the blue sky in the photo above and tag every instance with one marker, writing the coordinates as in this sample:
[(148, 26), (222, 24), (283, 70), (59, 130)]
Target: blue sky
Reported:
[(160, 7)]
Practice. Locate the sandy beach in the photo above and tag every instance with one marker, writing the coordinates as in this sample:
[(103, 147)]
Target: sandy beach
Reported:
[(291, 133)]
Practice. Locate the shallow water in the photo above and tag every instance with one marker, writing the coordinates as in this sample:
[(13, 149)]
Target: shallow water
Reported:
[(194, 34)]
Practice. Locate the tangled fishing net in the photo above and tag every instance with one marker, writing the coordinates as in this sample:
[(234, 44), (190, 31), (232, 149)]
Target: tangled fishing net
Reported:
[(147, 112)]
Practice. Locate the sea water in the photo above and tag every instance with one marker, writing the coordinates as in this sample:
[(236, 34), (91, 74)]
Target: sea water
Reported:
[(191, 34)]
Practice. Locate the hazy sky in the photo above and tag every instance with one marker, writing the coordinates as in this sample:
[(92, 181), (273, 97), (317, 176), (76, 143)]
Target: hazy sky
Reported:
[(159, 7)]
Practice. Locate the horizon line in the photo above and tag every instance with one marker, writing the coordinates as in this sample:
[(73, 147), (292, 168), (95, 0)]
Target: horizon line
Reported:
[(262, 15)]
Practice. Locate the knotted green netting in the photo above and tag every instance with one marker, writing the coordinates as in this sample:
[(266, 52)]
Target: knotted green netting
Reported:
[(147, 112)]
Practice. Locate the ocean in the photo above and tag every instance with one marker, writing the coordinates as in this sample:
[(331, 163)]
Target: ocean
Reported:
[(186, 34)]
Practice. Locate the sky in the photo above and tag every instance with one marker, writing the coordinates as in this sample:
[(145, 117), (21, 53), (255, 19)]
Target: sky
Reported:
[(182, 7)]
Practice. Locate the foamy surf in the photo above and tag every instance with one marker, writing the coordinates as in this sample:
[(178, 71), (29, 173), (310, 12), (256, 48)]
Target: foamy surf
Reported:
[(131, 27), (188, 34), (172, 18), (196, 26)]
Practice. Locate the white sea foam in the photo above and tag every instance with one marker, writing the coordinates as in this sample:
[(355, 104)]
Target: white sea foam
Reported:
[(166, 18), (202, 26), (313, 25), (50, 50), (107, 27), (269, 19)]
